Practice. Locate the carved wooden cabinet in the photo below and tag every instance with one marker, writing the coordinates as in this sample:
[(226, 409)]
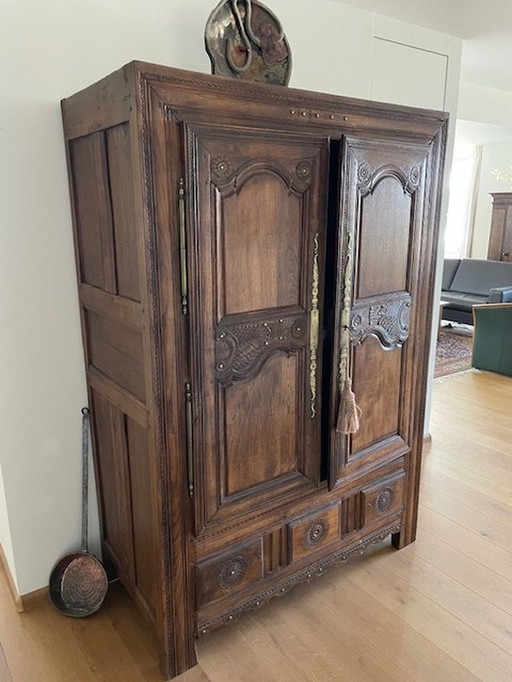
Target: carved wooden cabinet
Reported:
[(242, 252)]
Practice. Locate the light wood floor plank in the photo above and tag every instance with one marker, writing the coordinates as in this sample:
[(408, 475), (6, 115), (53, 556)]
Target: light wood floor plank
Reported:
[(480, 461), (470, 573), (494, 558), (435, 485), (341, 651), (422, 660), (494, 531), (482, 657), (5, 673), (488, 486), (450, 594)]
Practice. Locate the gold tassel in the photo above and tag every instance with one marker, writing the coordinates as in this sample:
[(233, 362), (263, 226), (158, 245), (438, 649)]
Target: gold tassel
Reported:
[(349, 412)]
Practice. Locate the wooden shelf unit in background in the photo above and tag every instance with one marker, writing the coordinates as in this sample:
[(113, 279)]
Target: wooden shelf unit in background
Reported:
[(500, 238)]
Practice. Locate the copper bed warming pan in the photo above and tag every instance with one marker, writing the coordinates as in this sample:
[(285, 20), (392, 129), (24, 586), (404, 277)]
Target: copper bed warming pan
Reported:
[(78, 582)]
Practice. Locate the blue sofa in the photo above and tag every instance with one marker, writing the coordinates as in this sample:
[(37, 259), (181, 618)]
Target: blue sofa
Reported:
[(470, 281)]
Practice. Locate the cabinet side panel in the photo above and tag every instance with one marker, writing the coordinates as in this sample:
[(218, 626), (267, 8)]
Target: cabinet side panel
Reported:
[(115, 349), (93, 211), (144, 540), (108, 239), (113, 477), (121, 187)]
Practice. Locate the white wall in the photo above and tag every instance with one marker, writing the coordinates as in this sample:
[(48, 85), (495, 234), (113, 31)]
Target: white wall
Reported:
[(490, 111), (54, 49), (485, 105), (496, 156)]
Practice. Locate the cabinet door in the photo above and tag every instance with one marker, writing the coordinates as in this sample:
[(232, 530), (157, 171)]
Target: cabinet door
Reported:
[(256, 227), (384, 263)]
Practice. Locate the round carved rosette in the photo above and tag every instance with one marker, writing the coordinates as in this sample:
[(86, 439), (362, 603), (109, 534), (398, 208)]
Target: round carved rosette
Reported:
[(303, 170), (221, 168), (364, 173), (414, 176), (316, 533), (384, 501), (232, 572)]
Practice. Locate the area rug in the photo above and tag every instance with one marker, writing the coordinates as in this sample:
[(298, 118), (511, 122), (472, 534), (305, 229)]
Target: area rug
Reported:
[(453, 352)]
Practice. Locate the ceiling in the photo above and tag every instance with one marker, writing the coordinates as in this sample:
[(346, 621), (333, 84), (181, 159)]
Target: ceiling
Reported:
[(485, 26)]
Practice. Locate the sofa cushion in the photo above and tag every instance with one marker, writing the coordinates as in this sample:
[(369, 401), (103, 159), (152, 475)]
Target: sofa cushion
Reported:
[(449, 269), (479, 276), (459, 299)]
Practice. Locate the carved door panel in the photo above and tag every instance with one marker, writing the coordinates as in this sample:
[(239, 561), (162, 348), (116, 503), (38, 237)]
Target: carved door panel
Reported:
[(256, 250), (377, 340)]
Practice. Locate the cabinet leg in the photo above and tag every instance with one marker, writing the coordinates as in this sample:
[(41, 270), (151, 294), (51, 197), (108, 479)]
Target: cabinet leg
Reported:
[(396, 540), (403, 538)]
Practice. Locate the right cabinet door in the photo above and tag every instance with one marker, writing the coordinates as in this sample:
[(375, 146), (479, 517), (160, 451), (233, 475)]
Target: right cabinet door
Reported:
[(383, 301)]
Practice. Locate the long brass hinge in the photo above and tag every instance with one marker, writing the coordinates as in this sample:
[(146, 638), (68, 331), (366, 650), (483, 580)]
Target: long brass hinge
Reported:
[(190, 438), (183, 248)]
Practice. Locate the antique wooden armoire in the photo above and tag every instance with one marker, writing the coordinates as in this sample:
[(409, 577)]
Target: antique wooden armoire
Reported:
[(244, 253)]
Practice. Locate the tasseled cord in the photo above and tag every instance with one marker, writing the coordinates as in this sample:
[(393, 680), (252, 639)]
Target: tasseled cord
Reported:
[(349, 412)]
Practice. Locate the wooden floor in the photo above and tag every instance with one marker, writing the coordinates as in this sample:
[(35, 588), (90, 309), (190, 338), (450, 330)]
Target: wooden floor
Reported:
[(439, 610)]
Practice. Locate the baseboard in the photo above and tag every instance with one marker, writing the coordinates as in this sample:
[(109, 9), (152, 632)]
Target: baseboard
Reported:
[(18, 602), (21, 602), (34, 598)]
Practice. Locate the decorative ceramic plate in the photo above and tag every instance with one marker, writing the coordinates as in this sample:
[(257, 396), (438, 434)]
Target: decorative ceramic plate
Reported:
[(244, 39)]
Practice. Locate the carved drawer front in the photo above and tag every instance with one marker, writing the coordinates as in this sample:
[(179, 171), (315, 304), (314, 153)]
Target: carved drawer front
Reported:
[(313, 532), (383, 498), (229, 572)]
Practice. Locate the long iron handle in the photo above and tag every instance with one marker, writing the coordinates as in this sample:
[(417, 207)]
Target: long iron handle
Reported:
[(85, 477)]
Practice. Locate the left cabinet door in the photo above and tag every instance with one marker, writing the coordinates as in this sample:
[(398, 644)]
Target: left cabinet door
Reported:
[(256, 216)]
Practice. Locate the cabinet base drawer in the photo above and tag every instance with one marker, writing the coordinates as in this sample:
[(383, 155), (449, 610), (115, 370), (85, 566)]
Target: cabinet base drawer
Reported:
[(221, 613), (383, 498), (313, 532), (229, 572)]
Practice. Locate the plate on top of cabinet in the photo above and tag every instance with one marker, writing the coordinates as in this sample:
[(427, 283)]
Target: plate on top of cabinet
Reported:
[(245, 40)]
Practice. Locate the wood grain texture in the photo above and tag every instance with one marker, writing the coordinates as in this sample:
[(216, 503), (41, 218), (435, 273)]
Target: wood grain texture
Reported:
[(437, 610), (5, 674)]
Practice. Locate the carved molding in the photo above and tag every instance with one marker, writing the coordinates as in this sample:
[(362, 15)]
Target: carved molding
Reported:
[(368, 178), (299, 101), (387, 319), (242, 348), (315, 113), (230, 178), (157, 366), (355, 549)]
